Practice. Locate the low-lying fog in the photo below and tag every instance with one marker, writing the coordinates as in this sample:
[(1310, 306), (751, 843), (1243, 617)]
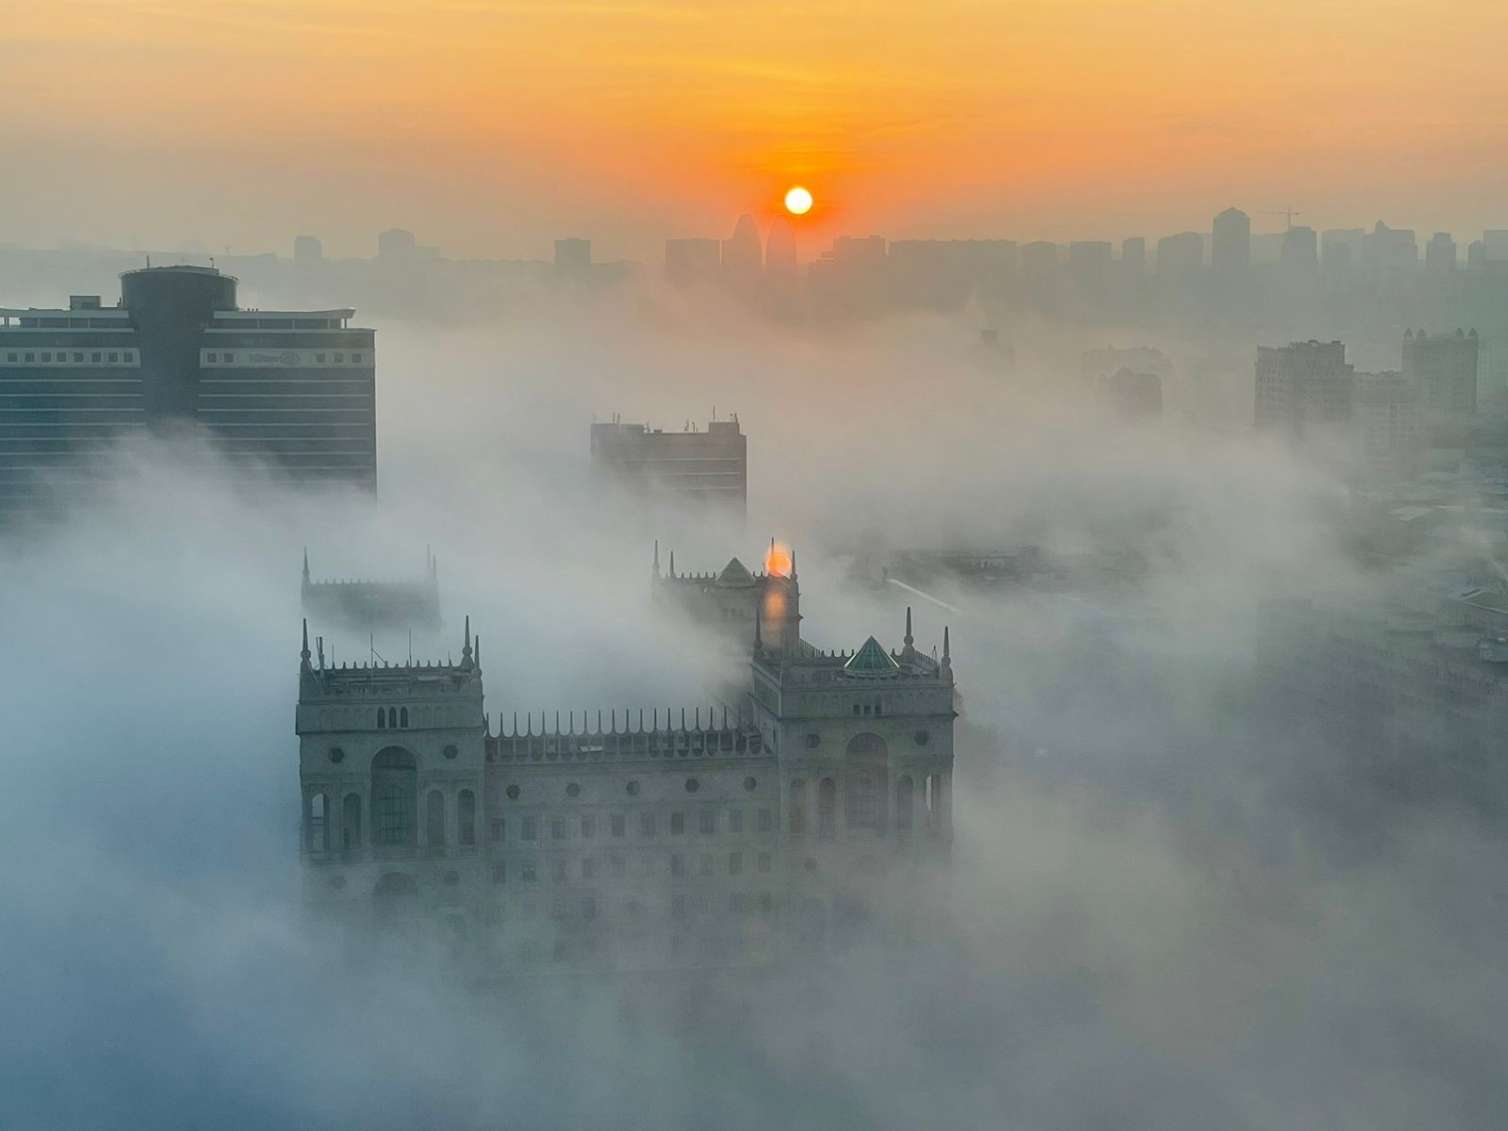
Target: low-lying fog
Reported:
[(1166, 910)]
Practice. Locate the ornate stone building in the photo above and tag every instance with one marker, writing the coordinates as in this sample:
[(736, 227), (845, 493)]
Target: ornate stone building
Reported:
[(627, 839)]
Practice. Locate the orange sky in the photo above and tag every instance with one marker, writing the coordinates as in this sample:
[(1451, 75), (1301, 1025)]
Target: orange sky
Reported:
[(491, 126)]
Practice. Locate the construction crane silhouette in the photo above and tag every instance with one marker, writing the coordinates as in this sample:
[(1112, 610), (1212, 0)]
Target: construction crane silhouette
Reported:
[(1287, 213)]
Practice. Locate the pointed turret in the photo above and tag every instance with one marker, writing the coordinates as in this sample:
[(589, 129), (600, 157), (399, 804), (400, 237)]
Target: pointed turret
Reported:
[(657, 559), (910, 642), (947, 657), (305, 654), (466, 646), (306, 565)]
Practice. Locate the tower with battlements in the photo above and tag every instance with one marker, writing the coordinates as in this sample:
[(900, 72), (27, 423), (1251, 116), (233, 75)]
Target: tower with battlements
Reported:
[(634, 837)]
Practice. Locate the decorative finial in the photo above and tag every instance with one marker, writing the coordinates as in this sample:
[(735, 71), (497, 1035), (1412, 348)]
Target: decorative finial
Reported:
[(466, 645), (304, 655), (946, 654), (793, 563), (657, 557), (672, 563), (478, 656), (306, 565)]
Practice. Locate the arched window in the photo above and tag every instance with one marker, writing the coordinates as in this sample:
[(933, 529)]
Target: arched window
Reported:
[(827, 809), (394, 798), (434, 818), (798, 807), (904, 794), (865, 775), (466, 818), (350, 821), (382, 718), (319, 823), (403, 717)]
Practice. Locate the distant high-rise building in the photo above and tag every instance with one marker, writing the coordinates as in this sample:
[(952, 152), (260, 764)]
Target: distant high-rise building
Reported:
[(397, 244), (292, 389), (573, 256), (743, 256), (1089, 267), (1341, 250), (1303, 387), (1444, 370), (1039, 271), (1495, 245), (1134, 256), (1230, 243), (1476, 254), (1390, 435), (692, 262), (780, 252), (1390, 250), (1180, 257), (1440, 254), (708, 466), (307, 250), (1300, 251)]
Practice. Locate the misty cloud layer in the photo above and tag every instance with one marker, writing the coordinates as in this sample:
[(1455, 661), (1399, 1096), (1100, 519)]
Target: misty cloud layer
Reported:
[(1168, 908)]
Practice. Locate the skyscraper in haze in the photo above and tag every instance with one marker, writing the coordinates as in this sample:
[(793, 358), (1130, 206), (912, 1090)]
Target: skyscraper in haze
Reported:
[(780, 252), (1443, 367), (1180, 257), (743, 257), (1440, 254), (1302, 387), (1230, 243), (1300, 251), (691, 465), (292, 389)]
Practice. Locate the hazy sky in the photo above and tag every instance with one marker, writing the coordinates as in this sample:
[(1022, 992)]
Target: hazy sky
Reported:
[(491, 126)]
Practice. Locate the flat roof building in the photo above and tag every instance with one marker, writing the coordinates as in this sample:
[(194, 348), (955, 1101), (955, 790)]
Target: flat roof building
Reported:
[(295, 390), (708, 466)]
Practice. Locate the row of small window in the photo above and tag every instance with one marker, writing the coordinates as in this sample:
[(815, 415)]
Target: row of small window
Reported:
[(617, 824), (227, 357), (587, 868), (392, 718), (573, 789), (74, 357)]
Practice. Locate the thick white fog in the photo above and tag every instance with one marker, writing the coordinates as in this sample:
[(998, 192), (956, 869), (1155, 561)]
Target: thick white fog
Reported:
[(1168, 907)]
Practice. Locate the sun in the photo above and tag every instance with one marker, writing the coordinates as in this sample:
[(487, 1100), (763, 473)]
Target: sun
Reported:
[(798, 200)]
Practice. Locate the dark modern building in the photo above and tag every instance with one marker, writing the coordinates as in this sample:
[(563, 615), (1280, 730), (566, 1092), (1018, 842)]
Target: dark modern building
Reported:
[(709, 466), (295, 390)]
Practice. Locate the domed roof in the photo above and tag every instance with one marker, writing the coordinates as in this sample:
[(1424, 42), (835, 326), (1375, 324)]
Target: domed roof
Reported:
[(871, 660)]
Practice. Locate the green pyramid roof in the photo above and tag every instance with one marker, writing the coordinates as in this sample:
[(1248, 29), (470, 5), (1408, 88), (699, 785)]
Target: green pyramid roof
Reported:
[(734, 573), (871, 659)]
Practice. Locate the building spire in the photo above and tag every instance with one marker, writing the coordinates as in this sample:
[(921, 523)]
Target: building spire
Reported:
[(466, 645), (947, 656), (657, 559), (672, 563), (793, 563), (478, 654), (910, 640), (304, 655), (306, 565)]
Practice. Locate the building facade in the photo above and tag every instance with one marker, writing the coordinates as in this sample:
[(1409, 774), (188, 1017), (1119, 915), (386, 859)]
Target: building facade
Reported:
[(1303, 387), (293, 390), (694, 465), (627, 839), (368, 606)]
